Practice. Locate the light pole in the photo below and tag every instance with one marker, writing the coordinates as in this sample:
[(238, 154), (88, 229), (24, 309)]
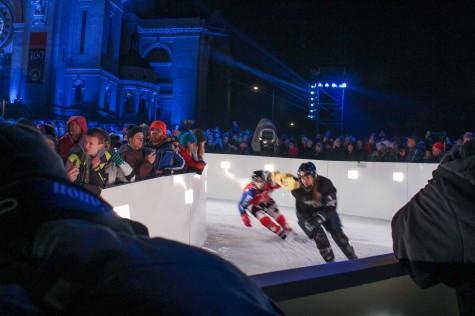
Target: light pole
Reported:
[(257, 88)]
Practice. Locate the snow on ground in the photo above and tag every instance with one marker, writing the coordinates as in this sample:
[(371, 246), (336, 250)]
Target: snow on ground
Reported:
[(256, 250)]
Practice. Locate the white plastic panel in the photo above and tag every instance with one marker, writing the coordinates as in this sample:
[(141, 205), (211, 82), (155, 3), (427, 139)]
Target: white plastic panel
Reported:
[(374, 193)]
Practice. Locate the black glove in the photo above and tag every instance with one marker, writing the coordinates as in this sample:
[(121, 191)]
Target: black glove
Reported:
[(316, 219), (319, 218), (116, 158)]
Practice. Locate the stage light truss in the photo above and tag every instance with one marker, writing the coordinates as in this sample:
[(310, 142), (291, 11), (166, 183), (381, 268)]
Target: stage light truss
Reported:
[(326, 105)]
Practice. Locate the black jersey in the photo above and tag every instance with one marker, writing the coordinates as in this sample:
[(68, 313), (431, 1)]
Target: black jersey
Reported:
[(306, 205)]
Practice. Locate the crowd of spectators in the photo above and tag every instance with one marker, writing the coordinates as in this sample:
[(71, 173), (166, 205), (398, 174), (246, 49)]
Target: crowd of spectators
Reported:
[(428, 149), (97, 155), (140, 145)]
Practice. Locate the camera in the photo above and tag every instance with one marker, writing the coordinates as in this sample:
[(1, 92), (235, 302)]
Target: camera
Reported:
[(267, 139), (148, 151)]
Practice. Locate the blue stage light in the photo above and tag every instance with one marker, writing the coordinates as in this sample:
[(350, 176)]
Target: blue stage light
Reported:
[(334, 85), (343, 85), (326, 85), (320, 85)]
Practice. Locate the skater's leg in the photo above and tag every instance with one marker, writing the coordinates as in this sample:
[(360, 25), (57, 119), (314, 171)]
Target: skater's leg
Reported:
[(323, 244), (273, 211), (343, 242), (267, 222)]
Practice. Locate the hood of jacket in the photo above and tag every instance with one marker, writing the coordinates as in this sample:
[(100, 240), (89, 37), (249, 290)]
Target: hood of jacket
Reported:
[(81, 121)]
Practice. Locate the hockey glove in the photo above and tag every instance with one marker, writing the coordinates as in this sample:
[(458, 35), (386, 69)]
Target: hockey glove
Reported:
[(319, 217), (313, 221), (116, 158), (246, 220)]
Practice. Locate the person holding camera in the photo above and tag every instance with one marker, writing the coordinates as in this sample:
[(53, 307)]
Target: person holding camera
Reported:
[(87, 163), (168, 159), (135, 155)]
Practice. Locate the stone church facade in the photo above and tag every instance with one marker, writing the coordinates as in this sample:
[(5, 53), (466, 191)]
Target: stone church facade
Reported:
[(109, 61)]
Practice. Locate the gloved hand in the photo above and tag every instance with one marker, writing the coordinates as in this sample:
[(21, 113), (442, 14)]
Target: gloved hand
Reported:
[(246, 220), (319, 217), (316, 219), (116, 158)]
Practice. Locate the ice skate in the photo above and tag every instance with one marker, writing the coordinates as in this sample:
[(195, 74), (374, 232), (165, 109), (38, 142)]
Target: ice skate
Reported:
[(282, 234)]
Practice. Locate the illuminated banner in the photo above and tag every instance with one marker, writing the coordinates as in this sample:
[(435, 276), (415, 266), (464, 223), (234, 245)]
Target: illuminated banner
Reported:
[(36, 57)]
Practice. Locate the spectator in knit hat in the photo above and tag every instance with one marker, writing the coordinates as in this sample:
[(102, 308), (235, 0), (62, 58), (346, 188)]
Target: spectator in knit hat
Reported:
[(66, 252), (76, 127), (168, 159), (318, 152), (437, 152), (427, 156), (467, 136), (133, 153), (414, 153), (188, 146)]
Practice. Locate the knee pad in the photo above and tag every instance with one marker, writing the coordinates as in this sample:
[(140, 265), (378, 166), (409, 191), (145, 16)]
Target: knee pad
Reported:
[(281, 220)]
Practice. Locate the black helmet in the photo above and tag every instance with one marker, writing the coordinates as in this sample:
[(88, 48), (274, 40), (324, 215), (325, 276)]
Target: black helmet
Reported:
[(307, 168), (258, 174)]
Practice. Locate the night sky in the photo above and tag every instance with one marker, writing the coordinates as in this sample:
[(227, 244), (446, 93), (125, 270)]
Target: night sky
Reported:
[(410, 65)]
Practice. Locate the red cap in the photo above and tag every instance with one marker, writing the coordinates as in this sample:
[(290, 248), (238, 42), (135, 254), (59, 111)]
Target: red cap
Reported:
[(160, 125), (439, 146)]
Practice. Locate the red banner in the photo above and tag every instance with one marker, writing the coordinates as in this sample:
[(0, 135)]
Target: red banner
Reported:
[(36, 57)]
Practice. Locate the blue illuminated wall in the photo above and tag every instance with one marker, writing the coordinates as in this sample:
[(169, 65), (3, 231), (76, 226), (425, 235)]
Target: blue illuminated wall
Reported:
[(82, 72)]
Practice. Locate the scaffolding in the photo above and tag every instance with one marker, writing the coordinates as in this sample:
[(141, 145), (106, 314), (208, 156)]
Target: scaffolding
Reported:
[(327, 96)]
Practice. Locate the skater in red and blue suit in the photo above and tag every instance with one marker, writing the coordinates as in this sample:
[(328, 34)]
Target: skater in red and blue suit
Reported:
[(257, 201)]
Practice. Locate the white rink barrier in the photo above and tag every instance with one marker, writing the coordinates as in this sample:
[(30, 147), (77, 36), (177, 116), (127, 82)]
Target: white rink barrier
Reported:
[(172, 207), (368, 189)]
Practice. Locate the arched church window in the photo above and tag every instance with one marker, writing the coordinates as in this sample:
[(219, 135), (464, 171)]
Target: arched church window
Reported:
[(158, 111), (78, 87), (143, 112), (158, 55), (107, 96), (128, 103)]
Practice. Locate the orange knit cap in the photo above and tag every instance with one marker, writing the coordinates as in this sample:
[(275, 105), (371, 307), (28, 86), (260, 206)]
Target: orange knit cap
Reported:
[(160, 125)]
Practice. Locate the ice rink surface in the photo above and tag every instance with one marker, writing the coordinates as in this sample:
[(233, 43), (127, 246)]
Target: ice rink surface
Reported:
[(257, 250)]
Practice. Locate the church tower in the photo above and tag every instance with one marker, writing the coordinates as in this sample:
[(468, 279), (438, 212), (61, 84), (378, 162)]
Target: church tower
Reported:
[(87, 56)]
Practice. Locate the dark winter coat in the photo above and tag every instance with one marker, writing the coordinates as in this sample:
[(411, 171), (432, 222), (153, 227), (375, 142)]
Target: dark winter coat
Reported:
[(136, 159), (168, 159), (434, 233), (66, 143), (92, 179), (191, 164), (307, 208)]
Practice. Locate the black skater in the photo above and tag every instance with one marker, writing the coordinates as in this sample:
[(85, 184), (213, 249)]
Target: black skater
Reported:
[(316, 202)]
